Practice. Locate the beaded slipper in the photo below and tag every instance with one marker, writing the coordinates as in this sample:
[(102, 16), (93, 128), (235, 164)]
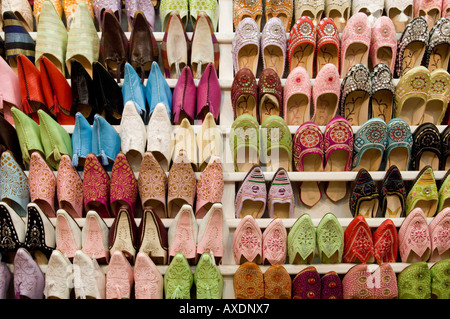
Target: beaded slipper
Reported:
[(414, 282), (309, 8), (245, 47), (302, 45), (297, 97), (280, 9), (392, 194), (439, 280), (270, 94), (244, 8), (444, 193), (277, 283), (244, 93), (328, 44), (355, 283), (364, 198), (339, 11), (399, 144), (306, 284), (326, 93), (438, 48), (383, 92), (426, 147), (429, 9), (331, 286), (273, 46), (248, 282), (424, 193)]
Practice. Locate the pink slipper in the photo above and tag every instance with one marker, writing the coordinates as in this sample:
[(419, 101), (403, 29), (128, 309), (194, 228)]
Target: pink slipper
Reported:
[(148, 281), (96, 187), (209, 187), (297, 97), (247, 241), (326, 93), (42, 182), (124, 188), (280, 198), (274, 243), (383, 44), (414, 237), (439, 232), (429, 9), (251, 197), (95, 237), (182, 234), (213, 233), (68, 234), (119, 277), (354, 284), (355, 42), (69, 188), (385, 286)]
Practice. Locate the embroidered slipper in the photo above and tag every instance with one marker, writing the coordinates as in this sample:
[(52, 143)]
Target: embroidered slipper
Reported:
[(248, 282), (412, 45), (277, 283), (119, 277), (308, 151), (426, 147), (355, 283), (273, 46), (167, 9), (244, 93), (373, 9), (178, 278), (414, 282), (438, 48), (399, 144), (330, 240), (385, 242), (244, 8), (274, 243), (439, 279), (244, 142), (297, 97), (209, 141), (365, 198), (444, 192), (331, 286), (338, 145), (208, 278), (328, 44), (383, 44), (429, 9), (247, 241), (339, 11), (280, 197), (382, 98), (252, 195), (210, 187), (280, 9), (152, 237), (414, 238), (183, 223), (301, 241), (326, 93), (355, 42), (310, 8), (392, 194), (186, 142), (276, 144), (424, 193), (306, 284), (270, 94), (438, 228), (355, 96), (369, 145), (302, 45), (358, 242), (245, 47), (211, 8), (438, 97)]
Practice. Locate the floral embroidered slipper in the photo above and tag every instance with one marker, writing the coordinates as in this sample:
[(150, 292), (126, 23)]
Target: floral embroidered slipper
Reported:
[(207, 278), (247, 242), (438, 99), (399, 144), (445, 149), (244, 93), (274, 243), (178, 279), (411, 95), (301, 241), (438, 54), (440, 247), (370, 144), (385, 242), (308, 156), (358, 242), (280, 197), (414, 238), (444, 193), (365, 197), (245, 47), (252, 195), (424, 193), (270, 94), (330, 239)]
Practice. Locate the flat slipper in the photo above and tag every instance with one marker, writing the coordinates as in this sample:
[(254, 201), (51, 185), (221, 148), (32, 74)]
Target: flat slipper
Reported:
[(297, 97), (383, 92), (438, 48), (273, 45), (302, 45), (276, 144), (364, 198), (244, 142), (399, 144), (423, 194), (245, 47), (392, 194), (438, 97), (252, 195), (426, 147)]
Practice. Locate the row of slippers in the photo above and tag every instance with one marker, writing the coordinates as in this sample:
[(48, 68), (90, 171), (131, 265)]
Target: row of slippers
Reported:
[(401, 12), (416, 240), (419, 97), (416, 281), (360, 282), (31, 90), (106, 193), (374, 146), (313, 47), (112, 48)]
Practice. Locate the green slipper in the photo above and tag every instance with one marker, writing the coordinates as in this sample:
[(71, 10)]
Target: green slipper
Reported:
[(414, 282), (276, 143), (301, 241), (244, 142), (440, 280), (424, 193), (178, 278), (28, 133), (444, 193), (208, 279), (330, 240), (55, 139)]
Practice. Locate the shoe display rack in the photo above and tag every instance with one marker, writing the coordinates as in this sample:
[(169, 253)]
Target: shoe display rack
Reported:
[(232, 179)]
